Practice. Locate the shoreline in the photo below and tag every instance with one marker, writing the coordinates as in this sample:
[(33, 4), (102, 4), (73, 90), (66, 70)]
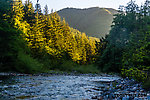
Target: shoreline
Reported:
[(59, 73)]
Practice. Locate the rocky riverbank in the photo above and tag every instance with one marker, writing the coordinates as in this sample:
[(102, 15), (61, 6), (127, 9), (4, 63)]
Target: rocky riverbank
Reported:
[(123, 89)]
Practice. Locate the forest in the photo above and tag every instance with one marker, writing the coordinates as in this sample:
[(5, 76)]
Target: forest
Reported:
[(36, 41)]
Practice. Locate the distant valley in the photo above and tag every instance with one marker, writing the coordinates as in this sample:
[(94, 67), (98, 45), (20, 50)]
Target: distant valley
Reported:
[(93, 21)]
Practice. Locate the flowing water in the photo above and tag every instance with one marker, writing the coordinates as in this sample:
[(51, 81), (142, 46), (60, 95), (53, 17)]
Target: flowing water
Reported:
[(52, 87)]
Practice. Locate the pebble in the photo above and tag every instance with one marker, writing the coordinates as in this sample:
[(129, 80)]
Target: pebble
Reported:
[(125, 90), (104, 87)]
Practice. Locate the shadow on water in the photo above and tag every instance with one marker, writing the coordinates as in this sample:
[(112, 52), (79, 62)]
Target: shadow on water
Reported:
[(7, 79), (3, 77)]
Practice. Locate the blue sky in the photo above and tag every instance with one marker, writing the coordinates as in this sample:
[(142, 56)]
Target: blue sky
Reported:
[(60, 4)]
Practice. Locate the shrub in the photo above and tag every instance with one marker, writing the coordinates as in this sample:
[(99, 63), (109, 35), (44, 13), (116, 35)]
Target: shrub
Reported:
[(135, 73), (146, 85), (26, 64)]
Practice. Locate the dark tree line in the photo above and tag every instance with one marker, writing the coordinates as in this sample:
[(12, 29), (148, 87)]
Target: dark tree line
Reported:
[(128, 44)]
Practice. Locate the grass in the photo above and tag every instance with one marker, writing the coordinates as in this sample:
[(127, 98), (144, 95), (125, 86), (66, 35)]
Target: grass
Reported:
[(70, 66), (87, 69)]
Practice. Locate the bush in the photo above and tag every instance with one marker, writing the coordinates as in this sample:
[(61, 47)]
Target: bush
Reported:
[(146, 85), (26, 64), (86, 68), (67, 65), (135, 73)]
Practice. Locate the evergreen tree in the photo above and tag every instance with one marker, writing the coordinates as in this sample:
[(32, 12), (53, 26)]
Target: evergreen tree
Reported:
[(118, 38), (29, 15), (46, 10), (18, 13), (38, 8)]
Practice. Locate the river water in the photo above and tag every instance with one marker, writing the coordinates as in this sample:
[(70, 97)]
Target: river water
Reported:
[(52, 87)]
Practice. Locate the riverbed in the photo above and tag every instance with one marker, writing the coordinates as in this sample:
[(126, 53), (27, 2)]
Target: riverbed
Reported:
[(53, 87)]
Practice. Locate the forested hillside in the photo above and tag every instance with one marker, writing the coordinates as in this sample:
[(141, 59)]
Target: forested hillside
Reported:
[(93, 21), (31, 40)]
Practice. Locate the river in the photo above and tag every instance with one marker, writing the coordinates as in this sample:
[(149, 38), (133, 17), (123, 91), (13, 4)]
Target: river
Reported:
[(52, 87)]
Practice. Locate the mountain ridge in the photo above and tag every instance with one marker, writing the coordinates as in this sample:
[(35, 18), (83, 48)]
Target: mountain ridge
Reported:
[(93, 21)]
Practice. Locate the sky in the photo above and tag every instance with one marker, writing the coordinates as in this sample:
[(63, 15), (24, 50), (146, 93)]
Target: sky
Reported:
[(60, 4)]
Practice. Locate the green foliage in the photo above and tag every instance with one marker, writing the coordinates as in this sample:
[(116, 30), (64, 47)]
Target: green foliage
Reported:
[(127, 48), (135, 73), (135, 60), (49, 35), (14, 52), (26, 64), (29, 15), (67, 65), (4, 5), (70, 66), (110, 60), (36, 42), (117, 40), (91, 68), (146, 85)]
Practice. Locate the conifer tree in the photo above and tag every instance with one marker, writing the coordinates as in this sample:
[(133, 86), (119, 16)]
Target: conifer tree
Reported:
[(17, 18), (18, 13), (29, 12), (46, 10), (37, 33), (38, 8), (48, 34)]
